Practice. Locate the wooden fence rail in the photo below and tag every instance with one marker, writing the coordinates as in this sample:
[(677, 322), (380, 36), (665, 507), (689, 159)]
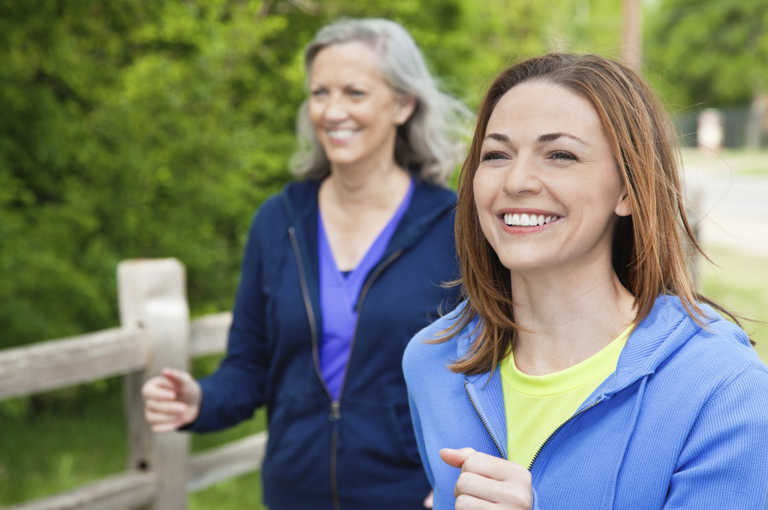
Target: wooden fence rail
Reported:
[(155, 332)]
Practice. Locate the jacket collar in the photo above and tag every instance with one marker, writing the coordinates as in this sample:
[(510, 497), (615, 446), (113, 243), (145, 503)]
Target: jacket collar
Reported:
[(299, 199), (655, 339), (428, 204)]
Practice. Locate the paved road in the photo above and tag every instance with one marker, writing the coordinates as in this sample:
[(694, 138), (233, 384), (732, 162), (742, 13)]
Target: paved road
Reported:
[(734, 205)]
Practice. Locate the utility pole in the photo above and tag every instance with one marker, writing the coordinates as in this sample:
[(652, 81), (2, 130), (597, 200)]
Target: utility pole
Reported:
[(631, 35)]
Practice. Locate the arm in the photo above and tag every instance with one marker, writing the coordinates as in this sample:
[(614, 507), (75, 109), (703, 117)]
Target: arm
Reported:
[(724, 463), (236, 389), (419, 433)]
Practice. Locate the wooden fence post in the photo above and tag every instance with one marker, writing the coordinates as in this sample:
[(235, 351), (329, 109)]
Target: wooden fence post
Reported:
[(152, 295)]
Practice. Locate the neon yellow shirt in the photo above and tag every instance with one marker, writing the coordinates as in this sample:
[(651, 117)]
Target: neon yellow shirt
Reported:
[(535, 406)]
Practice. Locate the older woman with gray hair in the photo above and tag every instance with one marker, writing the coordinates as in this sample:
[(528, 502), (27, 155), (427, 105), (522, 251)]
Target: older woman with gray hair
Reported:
[(340, 270)]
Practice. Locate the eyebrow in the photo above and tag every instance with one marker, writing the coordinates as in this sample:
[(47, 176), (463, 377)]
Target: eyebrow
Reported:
[(549, 137)]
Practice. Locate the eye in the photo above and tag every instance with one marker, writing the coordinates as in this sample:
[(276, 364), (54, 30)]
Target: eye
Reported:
[(356, 93), (493, 155), (318, 92), (563, 156)]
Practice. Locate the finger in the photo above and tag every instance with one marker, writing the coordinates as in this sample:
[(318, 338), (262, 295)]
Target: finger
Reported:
[(494, 467), (158, 387), (154, 418), (165, 427), (467, 502), (180, 378), (171, 407), (481, 487), (429, 500), (455, 458)]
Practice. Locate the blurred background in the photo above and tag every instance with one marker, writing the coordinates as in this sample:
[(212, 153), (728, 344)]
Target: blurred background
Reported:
[(139, 129)]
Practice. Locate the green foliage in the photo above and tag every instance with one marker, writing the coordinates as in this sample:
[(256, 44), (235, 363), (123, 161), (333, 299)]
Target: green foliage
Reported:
[(712, 52), (155, 129)]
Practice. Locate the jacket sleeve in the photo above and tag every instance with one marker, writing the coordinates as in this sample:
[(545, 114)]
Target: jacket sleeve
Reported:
[(724, 463), (419, 433), (236, 389)]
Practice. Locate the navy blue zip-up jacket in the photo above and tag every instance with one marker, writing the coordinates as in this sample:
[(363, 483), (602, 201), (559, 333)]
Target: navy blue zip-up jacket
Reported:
[(359, 452)]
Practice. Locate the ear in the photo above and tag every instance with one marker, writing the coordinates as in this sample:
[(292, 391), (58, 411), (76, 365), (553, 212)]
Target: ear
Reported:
[(404, 107), (623, 207)]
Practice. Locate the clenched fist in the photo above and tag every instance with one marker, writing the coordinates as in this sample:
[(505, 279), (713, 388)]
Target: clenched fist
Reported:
[(171, 400)]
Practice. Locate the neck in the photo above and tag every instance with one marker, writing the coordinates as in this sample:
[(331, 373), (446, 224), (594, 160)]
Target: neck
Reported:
[(568, 315), (367, 185)]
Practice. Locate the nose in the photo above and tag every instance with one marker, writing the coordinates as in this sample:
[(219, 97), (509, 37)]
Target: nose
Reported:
[(335, 108), (522, 177)]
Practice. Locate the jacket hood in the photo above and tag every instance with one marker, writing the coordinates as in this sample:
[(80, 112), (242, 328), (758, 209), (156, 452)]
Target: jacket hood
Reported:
[(428, 203), (667, 328)]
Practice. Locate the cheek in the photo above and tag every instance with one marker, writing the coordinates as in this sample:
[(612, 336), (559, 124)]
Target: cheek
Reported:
[(315, 113), (485, 189)]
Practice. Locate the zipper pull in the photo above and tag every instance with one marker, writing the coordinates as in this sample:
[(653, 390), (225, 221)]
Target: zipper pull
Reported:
[(335, 414)]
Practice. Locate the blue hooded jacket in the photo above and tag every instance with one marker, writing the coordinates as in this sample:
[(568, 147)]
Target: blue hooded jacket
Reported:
[(681, 424), (358, 452)]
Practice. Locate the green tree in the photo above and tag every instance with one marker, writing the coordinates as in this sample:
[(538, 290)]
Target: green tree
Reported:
[(711, 52), (155, 129)]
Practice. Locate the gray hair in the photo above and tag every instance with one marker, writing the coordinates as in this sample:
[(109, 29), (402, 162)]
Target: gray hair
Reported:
[(431, 142)]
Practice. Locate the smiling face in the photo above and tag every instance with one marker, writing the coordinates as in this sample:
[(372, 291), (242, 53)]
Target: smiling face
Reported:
[(548, 191), (354, 112)]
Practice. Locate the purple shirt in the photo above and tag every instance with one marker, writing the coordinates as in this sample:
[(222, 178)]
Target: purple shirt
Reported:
[(339, 294)]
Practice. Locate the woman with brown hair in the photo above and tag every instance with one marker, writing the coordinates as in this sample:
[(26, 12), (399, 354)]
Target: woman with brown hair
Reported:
[(583, 370)]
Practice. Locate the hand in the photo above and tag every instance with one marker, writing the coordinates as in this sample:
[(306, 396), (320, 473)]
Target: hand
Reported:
[(429, 500), (488, 482), (171, 400)]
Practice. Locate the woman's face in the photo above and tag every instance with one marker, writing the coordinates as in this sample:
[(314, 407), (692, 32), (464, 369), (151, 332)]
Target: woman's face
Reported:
[(547, 190), (354, 112)]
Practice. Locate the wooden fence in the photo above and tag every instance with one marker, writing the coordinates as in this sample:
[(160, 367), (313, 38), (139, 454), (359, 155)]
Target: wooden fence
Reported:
[(155, 332)]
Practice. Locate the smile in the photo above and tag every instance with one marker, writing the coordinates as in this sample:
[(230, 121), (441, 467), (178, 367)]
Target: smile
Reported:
[(341, 134), (527, 220)]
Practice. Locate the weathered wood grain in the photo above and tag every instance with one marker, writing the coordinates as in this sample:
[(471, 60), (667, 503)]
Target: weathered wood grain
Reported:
[(228, 461), (208, 334), (129, 490), (152, 293), (74, 360)]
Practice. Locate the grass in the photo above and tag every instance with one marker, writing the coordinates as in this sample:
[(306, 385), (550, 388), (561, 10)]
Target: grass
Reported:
[(65, 441), (738, 161), (77, 435), (740, 282), (61, 444)]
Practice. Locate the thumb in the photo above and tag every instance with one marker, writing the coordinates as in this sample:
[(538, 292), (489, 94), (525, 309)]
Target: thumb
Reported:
[(179, 378), (455, 458)]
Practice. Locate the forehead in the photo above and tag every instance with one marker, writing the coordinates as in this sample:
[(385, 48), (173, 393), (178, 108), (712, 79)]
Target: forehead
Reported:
[(345, 61), (535, 108)]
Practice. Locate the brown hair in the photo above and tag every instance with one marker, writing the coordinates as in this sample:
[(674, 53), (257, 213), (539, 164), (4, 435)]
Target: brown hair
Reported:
[(649, 255)]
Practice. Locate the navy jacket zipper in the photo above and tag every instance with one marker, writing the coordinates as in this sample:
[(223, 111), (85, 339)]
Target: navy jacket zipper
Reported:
[(335, 412)]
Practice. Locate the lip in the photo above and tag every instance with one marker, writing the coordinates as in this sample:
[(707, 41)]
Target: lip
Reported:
[(341, 141), (527, 230)]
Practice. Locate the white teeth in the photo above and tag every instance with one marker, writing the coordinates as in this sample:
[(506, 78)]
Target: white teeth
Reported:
[(525, 220), (341, 134)]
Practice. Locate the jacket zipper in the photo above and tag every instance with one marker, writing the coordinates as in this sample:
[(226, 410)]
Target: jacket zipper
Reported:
[(483, 420), (335, 413), (590, 406)]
